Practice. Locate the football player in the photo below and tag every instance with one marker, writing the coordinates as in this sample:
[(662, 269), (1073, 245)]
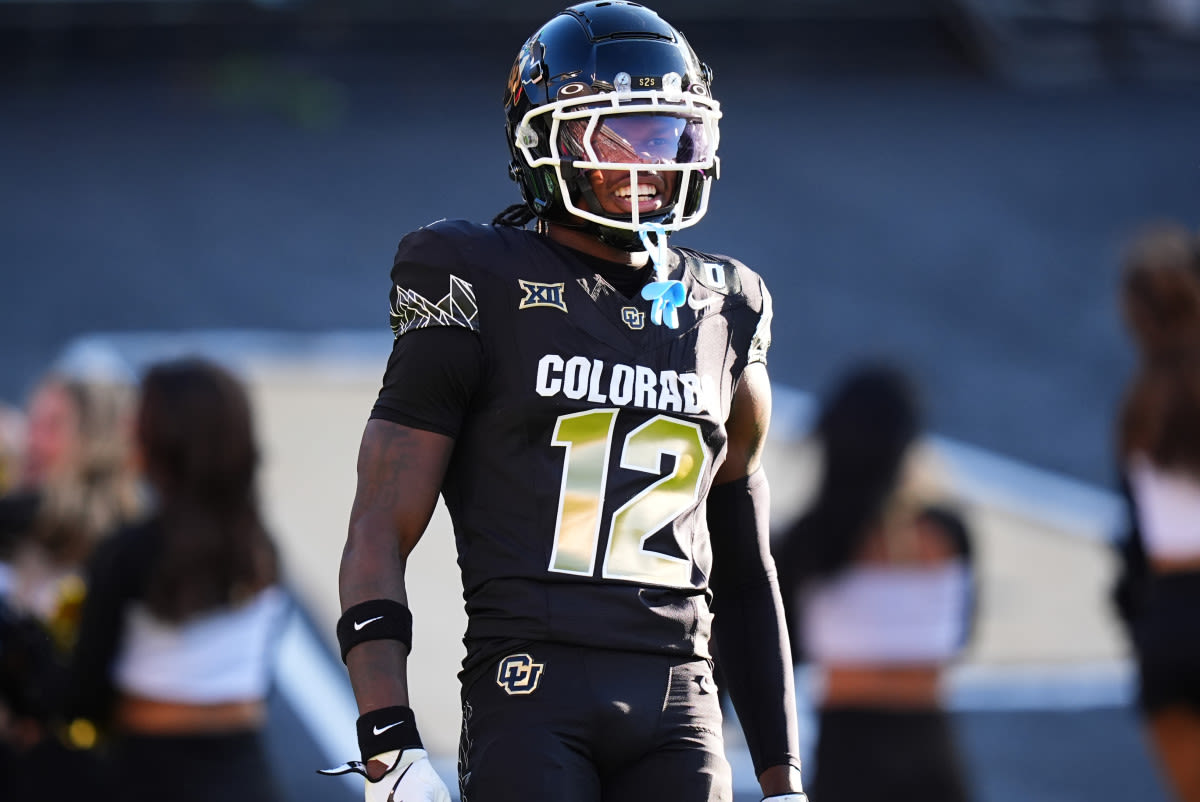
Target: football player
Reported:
[(591, 404)]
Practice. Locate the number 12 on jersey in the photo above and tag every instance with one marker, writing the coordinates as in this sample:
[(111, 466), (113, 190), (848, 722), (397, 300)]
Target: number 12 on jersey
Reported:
[(587, 438)]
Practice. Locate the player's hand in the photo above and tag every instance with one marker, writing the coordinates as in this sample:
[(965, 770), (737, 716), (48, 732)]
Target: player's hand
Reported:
[(411, 778), (793, 797)]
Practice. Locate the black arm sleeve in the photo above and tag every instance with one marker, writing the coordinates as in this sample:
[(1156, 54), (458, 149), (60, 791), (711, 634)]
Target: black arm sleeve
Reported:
[(749, 634), (787, 551), (430, 379)]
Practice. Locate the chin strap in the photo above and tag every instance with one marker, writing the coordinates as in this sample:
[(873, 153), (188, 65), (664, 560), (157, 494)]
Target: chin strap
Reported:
[(667, 294)]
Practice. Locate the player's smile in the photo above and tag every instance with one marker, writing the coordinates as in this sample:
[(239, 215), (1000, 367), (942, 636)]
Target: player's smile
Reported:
[(617, 195)]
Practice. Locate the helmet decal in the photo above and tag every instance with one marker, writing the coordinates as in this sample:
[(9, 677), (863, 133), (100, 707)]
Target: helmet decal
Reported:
[(574, 89)]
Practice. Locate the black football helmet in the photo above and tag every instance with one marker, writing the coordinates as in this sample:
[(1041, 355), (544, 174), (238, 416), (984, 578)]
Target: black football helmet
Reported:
[(572, 96)]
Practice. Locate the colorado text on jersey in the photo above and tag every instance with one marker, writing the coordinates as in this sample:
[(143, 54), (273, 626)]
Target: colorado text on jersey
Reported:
[(581, 377)]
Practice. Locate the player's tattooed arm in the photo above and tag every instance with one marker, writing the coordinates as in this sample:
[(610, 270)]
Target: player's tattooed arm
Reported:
[(400, 472)]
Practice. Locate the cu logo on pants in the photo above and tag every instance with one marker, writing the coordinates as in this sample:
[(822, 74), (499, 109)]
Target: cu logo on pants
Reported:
[(518, 674)]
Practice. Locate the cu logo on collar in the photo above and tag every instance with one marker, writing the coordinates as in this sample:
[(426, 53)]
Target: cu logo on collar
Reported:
[(518, 674)]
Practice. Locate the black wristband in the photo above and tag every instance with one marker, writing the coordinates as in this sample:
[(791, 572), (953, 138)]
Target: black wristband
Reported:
[(377, 619), (386, 729)]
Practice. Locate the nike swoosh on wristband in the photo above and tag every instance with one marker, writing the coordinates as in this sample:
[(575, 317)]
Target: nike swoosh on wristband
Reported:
[(360, 624), (382, 730), (698, 305)]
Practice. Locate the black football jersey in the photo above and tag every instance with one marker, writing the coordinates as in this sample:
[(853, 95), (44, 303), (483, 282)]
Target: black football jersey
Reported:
[(577, 483)]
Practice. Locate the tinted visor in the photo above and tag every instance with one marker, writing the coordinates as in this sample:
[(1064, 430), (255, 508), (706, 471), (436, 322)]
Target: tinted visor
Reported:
[(636, 139)]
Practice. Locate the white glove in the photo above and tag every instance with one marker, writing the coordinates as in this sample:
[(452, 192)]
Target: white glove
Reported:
[(794, 797), (411, 778)]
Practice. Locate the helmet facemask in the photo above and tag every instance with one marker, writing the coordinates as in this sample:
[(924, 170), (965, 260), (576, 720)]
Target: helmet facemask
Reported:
[(663, 138)]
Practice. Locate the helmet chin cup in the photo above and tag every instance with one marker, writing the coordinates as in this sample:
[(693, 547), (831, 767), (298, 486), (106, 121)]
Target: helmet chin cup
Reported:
[(618, 238)]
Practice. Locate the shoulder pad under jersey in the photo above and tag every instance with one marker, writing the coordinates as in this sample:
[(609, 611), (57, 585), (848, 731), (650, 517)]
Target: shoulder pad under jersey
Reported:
[(736, 281), (436, 274)]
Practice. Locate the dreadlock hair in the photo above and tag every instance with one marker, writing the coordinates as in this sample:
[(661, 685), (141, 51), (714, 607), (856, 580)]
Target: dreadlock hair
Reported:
[(517, 216)]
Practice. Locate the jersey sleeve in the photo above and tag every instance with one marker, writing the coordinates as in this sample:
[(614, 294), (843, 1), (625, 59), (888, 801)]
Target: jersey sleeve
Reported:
[(431, 287), (747, 304), (430, 379), (437, 358), (760, 343)]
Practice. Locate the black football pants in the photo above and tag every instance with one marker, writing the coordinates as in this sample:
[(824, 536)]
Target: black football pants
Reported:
[(557, 723)]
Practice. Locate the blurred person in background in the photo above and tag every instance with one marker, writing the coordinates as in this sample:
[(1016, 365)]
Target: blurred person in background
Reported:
[(176, 641), (876, 575), (1158, 448), (12, 445), (12, 520), (75, 483), (12, 439), (592, 406)]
